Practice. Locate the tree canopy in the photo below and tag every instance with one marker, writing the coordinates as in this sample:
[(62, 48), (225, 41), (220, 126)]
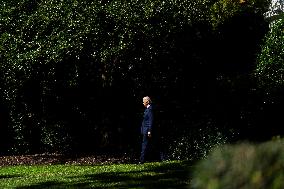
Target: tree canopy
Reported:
[(72, 72)]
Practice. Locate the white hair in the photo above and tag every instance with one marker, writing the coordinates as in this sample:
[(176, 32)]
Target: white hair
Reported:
[(148, 99)]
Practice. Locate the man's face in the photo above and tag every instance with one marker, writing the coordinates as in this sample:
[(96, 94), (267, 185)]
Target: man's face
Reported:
[(145, 102)]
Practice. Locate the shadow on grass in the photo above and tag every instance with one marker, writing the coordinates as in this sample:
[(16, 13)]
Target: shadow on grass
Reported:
[(9, 176), (164, 176)]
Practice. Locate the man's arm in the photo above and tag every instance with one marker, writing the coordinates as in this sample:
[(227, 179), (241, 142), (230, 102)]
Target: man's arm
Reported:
[(150, 122)]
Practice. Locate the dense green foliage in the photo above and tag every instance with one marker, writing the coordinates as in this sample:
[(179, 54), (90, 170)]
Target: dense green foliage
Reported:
[(224, 10), (242, 165), (60, 57), (269, 72), (271, 59), (72, 73)]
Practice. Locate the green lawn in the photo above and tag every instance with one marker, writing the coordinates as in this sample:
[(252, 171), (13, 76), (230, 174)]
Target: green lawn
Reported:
[(173, 174)]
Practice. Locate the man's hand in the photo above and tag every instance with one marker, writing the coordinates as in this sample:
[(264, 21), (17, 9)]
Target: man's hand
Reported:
[(149, 134)]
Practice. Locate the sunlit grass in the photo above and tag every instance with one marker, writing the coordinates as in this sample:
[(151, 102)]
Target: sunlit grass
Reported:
[(172, 174)]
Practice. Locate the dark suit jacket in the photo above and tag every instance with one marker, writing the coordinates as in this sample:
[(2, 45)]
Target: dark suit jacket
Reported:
[(147, 122)]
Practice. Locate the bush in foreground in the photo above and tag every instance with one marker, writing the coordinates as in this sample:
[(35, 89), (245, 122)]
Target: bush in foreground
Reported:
[(244, 165)]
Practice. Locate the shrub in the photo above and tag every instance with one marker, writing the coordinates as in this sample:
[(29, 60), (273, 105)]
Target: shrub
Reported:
[(198, 142), (243, 165)]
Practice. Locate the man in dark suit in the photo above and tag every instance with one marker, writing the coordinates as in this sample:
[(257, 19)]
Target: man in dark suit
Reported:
[(146, 127)]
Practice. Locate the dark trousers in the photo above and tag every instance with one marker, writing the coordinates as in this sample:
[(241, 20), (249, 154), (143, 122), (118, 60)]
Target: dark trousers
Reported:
[(144, 147)]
